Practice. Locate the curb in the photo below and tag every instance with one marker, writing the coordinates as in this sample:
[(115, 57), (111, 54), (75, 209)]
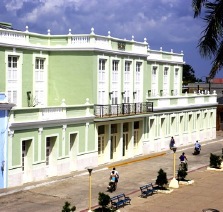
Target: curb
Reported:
[(136, 160)]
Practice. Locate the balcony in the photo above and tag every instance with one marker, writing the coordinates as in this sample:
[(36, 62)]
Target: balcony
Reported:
[(187, 100), (34, 117), (124, 109)]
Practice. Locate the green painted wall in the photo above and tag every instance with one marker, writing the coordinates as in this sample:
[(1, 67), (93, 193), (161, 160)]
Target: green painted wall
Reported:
[(2, 70), (36, 39), (70, 77), (27, 76), (166, 56), (58, 41), (172, 74), (52, 132), (24, 114), (80, 130), (146, 79), (91, 138), (17, 148), (160, 77)]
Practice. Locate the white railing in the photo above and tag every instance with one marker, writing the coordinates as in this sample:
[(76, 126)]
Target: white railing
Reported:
[(52, 113), (174, 101), (159, 55), (83, 40), (79, 40), (12, 36)]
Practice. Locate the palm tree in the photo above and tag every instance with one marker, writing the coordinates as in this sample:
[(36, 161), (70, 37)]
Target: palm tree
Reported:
[(211, 42)]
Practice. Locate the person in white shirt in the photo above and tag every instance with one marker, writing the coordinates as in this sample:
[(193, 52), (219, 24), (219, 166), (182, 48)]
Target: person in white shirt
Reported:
[(116, 175), (197, 146)]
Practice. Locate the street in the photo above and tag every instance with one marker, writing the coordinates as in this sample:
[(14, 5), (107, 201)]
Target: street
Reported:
[(51, 195)]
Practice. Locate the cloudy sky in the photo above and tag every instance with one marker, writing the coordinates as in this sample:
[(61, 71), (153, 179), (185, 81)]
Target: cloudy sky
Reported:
[(165, 23)]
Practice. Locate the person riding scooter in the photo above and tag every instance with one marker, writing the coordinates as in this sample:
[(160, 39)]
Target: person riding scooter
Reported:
[(112, 184), (197, 148)]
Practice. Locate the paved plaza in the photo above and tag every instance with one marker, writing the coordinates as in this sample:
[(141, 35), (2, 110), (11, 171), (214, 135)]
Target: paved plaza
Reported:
[(205, 193), (50, 195)]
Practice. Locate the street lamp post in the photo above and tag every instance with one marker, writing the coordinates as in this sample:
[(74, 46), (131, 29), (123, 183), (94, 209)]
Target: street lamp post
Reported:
[(89, 170), (174, 183)]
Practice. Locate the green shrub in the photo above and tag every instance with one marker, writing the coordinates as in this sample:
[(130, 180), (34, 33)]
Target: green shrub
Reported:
[(215, 161), (161, 178), (103, 199), (182, 171), (67, 207)]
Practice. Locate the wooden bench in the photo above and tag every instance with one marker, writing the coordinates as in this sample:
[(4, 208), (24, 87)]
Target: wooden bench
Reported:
[(147, 190), (119, 201)]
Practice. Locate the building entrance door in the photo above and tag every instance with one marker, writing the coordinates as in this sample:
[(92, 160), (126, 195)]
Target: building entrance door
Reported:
[(27, 161)]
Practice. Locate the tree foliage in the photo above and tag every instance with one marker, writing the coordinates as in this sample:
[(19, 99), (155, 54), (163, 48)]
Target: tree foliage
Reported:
[(211, 42), (68, 208), (103, 199), (215, 161), (182, 171), (188, 74), (161, 179)]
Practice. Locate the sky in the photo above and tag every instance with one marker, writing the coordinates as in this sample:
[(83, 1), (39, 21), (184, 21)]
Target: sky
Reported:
[(164, 23)]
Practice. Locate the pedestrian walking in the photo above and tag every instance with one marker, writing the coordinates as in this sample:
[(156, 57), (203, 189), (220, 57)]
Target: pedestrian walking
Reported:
[(172, 143)]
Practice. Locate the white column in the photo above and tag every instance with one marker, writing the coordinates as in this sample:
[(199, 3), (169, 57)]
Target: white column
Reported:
[(10, 134), (108, 149), (40, 131), (86, 136), (63, 139), (119, 148)]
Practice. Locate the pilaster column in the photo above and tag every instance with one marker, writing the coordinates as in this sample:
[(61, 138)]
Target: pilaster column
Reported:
[(40, 132), (64, 138)]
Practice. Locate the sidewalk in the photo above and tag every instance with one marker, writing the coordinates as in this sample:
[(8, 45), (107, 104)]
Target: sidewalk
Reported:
[(205, 193), (50, 195)]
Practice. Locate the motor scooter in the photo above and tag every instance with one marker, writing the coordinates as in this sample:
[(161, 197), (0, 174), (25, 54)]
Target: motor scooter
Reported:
[(196, 151), (111, 186)]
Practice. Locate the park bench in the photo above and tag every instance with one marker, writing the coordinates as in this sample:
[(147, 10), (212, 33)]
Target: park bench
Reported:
[(119, 201), (147, 190)]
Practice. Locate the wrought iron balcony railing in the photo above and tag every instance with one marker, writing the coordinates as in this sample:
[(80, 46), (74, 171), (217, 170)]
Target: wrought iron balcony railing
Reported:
[(123, 109)]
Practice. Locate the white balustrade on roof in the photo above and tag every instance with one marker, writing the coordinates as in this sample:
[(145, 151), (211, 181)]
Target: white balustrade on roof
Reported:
[(10, 36)]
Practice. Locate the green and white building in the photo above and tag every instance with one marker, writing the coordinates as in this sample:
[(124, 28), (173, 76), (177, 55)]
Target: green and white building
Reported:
[(85, 100)]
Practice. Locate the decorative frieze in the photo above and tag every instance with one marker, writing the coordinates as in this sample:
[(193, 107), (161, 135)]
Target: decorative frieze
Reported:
[(121, 46)]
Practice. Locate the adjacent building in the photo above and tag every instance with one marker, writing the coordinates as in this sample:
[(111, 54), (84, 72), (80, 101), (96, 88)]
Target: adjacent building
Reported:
[(209, 86), (5, 108), (84, 100)]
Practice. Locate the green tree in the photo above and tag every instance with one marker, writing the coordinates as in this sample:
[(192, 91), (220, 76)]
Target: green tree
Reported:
[(103, 200), (182, 171), (161, 179), (188, 74), (215, 161), (211, 42)]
